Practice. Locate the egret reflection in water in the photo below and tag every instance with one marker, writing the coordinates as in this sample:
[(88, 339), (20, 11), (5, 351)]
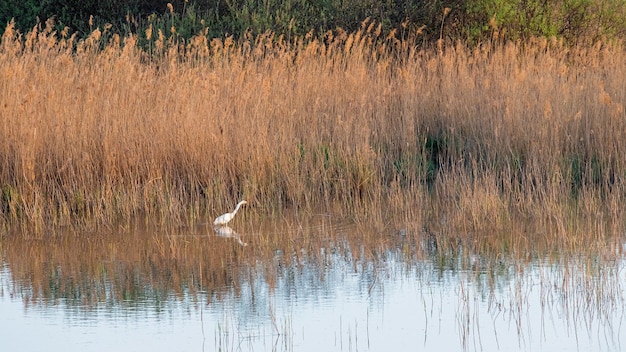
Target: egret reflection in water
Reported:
[(226, 232)]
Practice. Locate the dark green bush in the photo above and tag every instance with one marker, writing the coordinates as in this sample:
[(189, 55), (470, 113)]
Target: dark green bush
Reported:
[(572, 20), (470, 20)]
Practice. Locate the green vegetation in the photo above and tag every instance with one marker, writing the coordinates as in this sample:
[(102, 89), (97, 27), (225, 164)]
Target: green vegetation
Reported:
[(471, 20)]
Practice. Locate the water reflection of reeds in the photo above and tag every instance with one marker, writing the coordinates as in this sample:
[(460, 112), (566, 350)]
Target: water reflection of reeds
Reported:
[(139, 264), (526, 276)]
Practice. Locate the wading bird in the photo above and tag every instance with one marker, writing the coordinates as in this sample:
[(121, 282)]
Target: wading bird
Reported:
[(225, 218)]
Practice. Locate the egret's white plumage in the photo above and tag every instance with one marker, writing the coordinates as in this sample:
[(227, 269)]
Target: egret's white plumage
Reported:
[(226, 218)]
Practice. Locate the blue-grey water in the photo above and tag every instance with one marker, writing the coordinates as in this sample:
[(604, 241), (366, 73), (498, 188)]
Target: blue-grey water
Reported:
[(333, 295)]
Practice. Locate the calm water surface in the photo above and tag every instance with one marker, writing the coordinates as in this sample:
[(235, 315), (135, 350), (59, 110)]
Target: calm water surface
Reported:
[(319, 285)]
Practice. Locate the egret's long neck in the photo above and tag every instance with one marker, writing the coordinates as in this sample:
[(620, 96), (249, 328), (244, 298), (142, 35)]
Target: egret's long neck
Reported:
[(236, 208)]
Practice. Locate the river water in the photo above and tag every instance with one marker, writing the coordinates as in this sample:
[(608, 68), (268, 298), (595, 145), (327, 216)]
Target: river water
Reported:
[(319, 284)]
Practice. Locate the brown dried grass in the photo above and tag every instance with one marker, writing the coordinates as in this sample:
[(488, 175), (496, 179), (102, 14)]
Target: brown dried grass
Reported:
[(99, 131)]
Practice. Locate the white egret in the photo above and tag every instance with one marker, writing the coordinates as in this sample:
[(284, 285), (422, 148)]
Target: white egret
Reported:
[(226, 218)]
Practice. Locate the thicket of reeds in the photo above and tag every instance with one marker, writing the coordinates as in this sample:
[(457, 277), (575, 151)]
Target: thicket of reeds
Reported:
[(98, 131)]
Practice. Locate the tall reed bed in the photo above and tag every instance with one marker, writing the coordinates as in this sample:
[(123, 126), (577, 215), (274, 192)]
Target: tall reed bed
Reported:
[(97, 131)]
